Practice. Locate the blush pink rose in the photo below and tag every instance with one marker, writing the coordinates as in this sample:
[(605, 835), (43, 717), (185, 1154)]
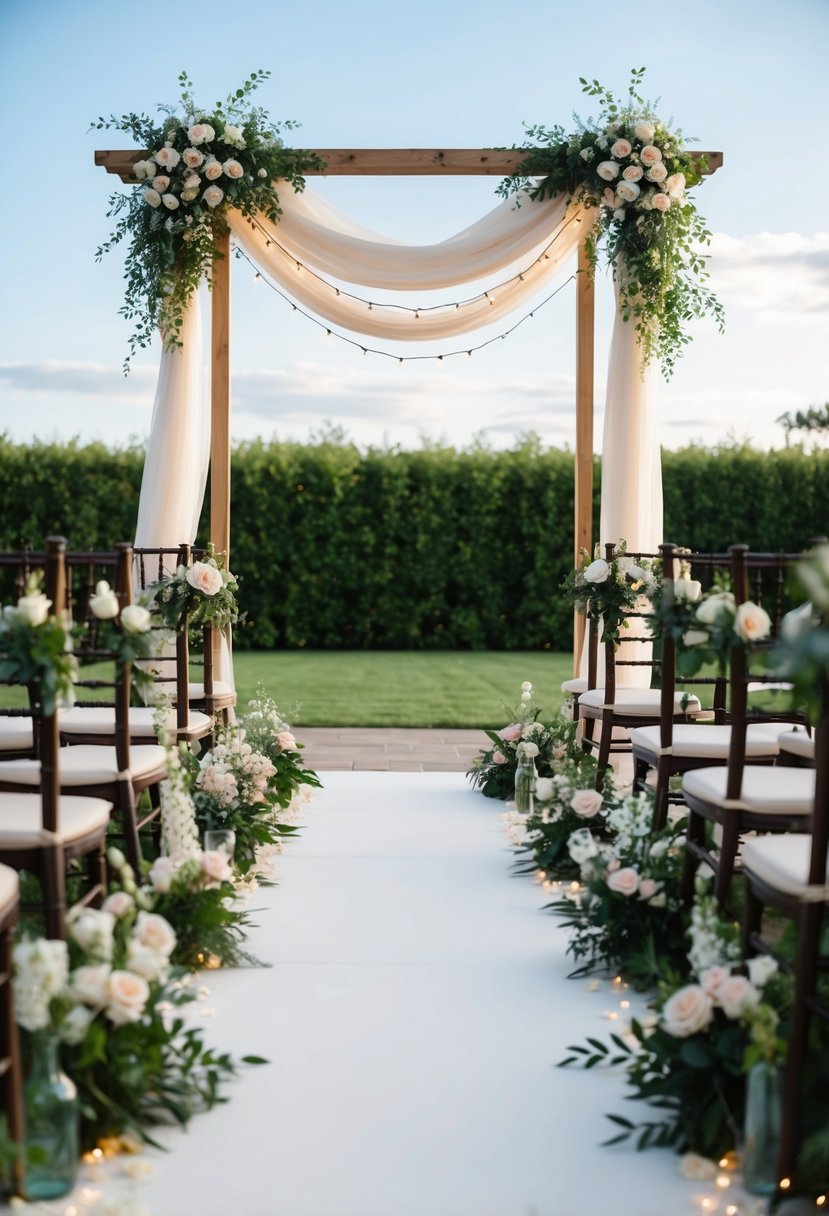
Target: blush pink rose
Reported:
[(712, 980), (498, 758), (737, 995), (624, 881), (586, 803), (511, 733), (205, 578), (661, 202), (216, 866), (285, 741), (650, 154), (127, 996), (648, 887), (687, 1012)]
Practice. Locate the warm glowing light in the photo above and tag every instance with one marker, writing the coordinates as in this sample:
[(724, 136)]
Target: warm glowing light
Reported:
[(731, 1210), (819, 1202), (624, 1004), (617, 979), (785, 1183), (723, 1181), (574, 886)]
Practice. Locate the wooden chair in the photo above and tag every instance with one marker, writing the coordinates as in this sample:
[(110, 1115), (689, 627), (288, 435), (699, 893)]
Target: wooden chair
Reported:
[(108, 767), (741, 797), (41, 829), (11, 1081), (620, 708), (209, 696), (670, 749), (789, 873)]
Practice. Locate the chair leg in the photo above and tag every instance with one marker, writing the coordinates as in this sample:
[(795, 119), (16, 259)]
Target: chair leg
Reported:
[(695, 835), (11, 1084), (752, 921), (53, 878), (96, 873), (662, 798), (804, 989), (604, 752), (129, 824), (727, 859)]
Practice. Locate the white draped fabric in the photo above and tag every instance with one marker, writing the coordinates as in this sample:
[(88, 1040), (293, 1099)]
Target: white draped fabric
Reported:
[(516, 249)]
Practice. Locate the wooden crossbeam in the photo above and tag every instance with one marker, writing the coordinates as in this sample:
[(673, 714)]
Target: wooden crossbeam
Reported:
[(389, 162)]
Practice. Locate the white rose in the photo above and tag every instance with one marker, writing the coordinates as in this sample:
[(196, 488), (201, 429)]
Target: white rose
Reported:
[(695, 637), (709, 610), (161, 182), (621, 148), (212, 170), (696, 1168), (624, 881), (675, 185), (33, 609), (752, 623), (650, 154), (89, 984), (151, 197), (628, 191), (74, 1026), (201, 133), (170, 202), (232, 168), (587, 154), (597, 571), (92, 929), (261, 172), (607, 170), (543, 789), (135, 619), (737, 995), (586, 803), (581, 846), (192, 157), (644, 130), (530, 750), (155, 932), (119, 904), (234, 136), (660, 202), (797, 623), (526, 686), (142, 169), (216, 866), (202, 575), (167, 157), (657, 173), (761, 969), (632, 173), (687, 1012), (161, 874), (192, 181), (128, 995), (687, 590), (104, 603), (146, 962), (213, 195), (187, 196)]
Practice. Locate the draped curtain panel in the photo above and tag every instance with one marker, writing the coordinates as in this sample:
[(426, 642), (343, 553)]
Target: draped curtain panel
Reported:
[(516, 249)]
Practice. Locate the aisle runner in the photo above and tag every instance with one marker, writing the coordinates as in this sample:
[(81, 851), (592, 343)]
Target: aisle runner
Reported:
[(414, 1012)]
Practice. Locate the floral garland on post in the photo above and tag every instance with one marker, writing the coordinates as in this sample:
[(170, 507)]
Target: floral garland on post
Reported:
[(635, 172), (199, 162)]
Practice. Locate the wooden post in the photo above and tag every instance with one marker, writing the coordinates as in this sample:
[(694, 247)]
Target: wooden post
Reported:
[(220, 399), (583, 496)]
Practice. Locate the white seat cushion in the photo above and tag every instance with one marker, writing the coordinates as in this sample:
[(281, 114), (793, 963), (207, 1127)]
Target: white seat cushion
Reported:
[(21, 825), (86, 764), (15, 734), (797, 743), (576, 686), (639, 702), (783, 863), (88, 720), (766, 791), (9, 888), (706, 742)]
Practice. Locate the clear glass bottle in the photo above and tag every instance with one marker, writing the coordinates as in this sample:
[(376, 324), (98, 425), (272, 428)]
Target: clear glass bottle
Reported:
[(525, 779), (50, 1105), (762, 1129)]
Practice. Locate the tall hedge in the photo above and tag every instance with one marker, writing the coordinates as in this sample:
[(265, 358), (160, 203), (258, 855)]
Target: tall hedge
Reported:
[(431, 549)]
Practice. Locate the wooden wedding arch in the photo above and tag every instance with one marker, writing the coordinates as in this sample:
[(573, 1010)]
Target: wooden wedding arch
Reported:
[(396, 162)]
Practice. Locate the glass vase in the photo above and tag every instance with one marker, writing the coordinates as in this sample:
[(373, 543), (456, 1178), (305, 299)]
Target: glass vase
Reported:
[(50, 1106), (525, 779), (762, 1129)]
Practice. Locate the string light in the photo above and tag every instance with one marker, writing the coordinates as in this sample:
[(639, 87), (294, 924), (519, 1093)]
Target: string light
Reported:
[(366, 350)]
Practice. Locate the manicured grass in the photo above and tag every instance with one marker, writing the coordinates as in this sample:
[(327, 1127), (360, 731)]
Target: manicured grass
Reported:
[(400, 688)]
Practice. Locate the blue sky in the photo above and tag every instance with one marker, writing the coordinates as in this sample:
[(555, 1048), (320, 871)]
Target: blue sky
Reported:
[(747, 77)]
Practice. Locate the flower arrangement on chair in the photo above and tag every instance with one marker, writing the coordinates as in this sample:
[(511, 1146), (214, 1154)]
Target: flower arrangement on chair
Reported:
[(608, 591), (204, 593), (35, 648)]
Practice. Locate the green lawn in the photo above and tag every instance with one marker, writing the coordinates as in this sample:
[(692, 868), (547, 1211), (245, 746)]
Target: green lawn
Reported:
[(400, 688)]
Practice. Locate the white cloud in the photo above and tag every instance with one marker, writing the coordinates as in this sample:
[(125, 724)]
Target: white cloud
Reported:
[(776, 278), (85, 379)]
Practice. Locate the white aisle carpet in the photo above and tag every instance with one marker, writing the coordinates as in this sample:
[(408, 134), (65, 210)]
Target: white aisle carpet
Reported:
[(414, 1012)]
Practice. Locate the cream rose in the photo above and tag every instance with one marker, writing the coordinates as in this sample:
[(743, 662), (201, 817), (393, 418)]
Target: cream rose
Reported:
[(168, 158), (192, 158), (119, 904), (607, 170), (648, 888), (624, 881), (151, 197), (752, 623), (161, 874), (687, 590), (586, 803), (146, 962), (234, 136), (621, 148), (89, 984), (650, 154), (543, 789), (74, 1026), (761, 969), (155, 932), (530, 750), (161, 182), (632, 173), (92, 929), (231, 168), (104, 603), (128, 995), (135, 619), (712, 979), (644, 130), (661, 202), (204, 576), (657, 173), (712, 606), (597, 571), (216, 866), (628, 191), (213, 196), (695, 637), (675, 185), (33, 609), (212, 170), (737, 995), (687, 1012), (201, 133), (285, 741), (142, 169), (170, 202)]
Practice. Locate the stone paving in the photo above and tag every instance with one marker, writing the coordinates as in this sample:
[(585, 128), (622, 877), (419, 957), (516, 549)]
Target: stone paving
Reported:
[(397, 749)]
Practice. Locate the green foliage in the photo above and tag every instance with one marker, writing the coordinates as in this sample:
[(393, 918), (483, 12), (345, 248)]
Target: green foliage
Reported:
[(812, 421), (427, 550)]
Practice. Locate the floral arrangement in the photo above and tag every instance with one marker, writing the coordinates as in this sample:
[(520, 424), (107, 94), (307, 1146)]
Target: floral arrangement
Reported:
[(801, 655), (635, 172), (493, 769), (609, 591), (125, 632), (106, 994), (690, 1060), (629, 915), (203, 593), (197, 164), (706, 628), (271, 736), (35, 649)]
